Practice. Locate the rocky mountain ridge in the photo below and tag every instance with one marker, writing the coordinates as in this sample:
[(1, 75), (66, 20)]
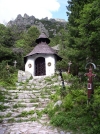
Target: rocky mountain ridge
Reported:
[(48, 26)]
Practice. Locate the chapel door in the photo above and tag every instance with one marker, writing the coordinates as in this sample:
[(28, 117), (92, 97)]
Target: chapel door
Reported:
[(40, 66)]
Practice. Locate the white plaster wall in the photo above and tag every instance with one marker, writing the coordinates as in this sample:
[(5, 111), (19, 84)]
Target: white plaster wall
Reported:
[(50, 70), (30, 60)]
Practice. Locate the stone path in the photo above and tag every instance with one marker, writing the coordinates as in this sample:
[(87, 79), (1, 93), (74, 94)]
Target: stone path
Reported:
[(22, 108), (29, 128)]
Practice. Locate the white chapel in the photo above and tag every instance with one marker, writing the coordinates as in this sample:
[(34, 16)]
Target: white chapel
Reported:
[(41, 61)]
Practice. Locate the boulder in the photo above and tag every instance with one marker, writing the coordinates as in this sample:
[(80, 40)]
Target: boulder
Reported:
[(23, 76), (58, 103)]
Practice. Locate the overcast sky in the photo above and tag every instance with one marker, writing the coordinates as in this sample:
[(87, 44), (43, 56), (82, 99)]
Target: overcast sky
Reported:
[(9, 9)]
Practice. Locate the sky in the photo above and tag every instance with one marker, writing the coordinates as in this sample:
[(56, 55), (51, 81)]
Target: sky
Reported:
[(9, 9)]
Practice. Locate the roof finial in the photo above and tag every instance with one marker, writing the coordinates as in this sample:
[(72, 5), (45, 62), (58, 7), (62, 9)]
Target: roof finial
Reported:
[(42, 36)]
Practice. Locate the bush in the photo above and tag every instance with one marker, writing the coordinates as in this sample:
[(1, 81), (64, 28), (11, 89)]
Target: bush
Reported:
[(74, 114), (68, 102), (8, 74)]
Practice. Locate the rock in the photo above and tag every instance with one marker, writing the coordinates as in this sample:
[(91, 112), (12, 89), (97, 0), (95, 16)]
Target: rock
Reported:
[(26, 16), (58, 103), (61, 132), (17, 84), (48, 26), (23, 76), (42, 29), (22, 22), (28, 75), (35, 115), (30, 82)]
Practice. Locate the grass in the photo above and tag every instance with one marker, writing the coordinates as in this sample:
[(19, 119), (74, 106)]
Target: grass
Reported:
[(48, 79), (2, 97), (11, 88), (11, 120), (35, 105), (8, 115), (76, 120), (34, 100), (26, 113), (32, 119), (47, 91), (16, 96), (18, 105), (3, 108), (30, 113), (74, 114)]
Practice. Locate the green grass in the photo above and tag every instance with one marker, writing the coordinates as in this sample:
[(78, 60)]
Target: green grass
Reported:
[(26, 113), (16, 96), (77, 120), (47, 91), (1, 120), (32, 119), (11, 120), (18, 105), (48, 79), (34, 100), (8, 115), (3, 108), (31, 112), (8, 80), (74, 114), (2, 97)]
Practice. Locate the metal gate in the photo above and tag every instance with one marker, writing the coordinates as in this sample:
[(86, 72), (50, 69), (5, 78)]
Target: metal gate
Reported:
[(40, 66)]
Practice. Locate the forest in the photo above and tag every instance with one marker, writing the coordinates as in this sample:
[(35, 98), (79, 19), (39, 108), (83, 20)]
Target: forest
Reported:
[(79, 43)]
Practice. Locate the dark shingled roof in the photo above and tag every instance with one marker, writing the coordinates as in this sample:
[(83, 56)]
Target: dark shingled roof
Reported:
[(42, 48), (42, 37)]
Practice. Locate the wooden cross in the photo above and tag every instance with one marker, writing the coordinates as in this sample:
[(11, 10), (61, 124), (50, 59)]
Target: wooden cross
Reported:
[(90, 75)]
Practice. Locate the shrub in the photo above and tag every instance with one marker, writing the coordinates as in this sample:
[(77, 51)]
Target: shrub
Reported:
[(8, 74), (68, 102)]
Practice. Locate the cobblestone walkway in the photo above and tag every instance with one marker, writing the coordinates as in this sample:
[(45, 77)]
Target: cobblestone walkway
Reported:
[(23, 105), (29, 128)]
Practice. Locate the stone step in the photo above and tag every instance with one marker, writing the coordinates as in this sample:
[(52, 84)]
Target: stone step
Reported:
[(9, 113), (40, 109), (20, 96), (27, 96), (20, 91), (44, 100), (22, 104), (41, 106), (19, 117), (36, 91), (37, 94), (26, 100), (47, 122), (23, 91), (19, 109), (30, 104), (45, 95), (44, 117), (33, 100), (11, 119)]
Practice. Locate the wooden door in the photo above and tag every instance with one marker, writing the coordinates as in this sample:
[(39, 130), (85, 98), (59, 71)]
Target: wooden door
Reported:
[(40, 66)]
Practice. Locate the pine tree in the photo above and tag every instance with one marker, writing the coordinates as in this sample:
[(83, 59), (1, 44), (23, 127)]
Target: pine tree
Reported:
[(76, 44)]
